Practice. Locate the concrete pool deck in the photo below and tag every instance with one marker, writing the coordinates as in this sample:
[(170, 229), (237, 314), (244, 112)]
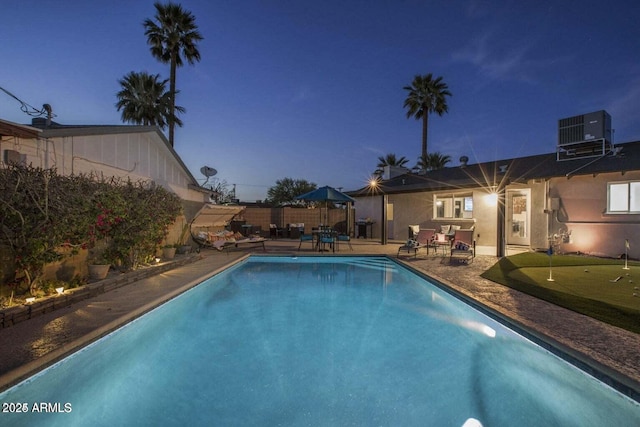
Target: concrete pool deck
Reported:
[(32, 344)]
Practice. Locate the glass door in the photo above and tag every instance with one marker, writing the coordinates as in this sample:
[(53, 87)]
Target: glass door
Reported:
[(518, 217)]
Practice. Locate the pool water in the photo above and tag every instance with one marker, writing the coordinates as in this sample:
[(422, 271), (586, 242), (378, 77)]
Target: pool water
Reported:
[(317, 341)]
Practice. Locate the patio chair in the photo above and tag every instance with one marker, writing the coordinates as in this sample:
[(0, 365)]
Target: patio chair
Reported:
[(463, 248), (275, 231), (308, 238), (423, 240), (327, 238), (344, 238)]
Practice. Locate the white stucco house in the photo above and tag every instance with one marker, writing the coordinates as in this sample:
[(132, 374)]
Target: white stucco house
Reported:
[(585, 197)]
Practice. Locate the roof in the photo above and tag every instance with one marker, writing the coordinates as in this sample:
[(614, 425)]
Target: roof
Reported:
[(625, 157), (21, 131)]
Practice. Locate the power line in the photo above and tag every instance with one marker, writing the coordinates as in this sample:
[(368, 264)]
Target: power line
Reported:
[(29, 109)]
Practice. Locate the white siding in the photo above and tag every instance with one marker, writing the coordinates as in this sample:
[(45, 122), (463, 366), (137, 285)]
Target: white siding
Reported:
[(139, 156)]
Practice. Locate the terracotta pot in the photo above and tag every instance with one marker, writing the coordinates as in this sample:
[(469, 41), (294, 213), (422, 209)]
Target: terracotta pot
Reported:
[(98, 271)]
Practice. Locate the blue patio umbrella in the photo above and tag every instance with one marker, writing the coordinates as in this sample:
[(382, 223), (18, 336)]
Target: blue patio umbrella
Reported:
[(326, 194)]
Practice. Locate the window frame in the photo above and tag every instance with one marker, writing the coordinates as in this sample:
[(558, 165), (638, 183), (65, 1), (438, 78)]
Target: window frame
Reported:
[(631, 200), (463, 198)]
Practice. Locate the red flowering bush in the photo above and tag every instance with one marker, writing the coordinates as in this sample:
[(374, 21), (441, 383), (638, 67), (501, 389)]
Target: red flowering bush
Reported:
[(40, 212)]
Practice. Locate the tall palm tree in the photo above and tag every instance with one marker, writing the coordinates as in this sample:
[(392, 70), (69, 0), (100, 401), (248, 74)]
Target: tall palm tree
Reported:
[(175, 36), (426, 95), (144, 100), (433, 161)]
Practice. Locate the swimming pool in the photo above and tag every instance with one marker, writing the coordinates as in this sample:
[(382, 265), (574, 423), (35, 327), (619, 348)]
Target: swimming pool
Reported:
[(316, 341)]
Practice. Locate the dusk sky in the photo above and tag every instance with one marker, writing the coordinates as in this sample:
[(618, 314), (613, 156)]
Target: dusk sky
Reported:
[(314, 89)]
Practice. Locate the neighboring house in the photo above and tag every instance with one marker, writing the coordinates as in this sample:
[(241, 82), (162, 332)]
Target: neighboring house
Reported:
[(139, 153), (585, 198), (135, 152)]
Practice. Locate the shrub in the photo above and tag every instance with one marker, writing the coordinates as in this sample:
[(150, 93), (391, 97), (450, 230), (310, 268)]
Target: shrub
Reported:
[(40, 212)]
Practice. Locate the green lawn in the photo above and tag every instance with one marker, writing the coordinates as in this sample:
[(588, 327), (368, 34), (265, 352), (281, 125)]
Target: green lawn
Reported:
[(597, 287)]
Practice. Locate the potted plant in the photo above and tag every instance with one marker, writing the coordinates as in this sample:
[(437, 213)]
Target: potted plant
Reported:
[(183, 247), (169, 251), (98, 267)]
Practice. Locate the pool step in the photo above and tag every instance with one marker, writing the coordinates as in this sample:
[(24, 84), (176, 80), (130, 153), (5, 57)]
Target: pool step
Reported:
[(374, 263)]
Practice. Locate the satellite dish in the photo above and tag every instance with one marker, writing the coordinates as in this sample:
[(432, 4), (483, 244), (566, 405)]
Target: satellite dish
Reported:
[(208, 171)]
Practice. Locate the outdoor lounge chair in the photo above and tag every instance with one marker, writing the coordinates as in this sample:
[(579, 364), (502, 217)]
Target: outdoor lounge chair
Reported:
[(463, 248), (423, 240), (228, 245)]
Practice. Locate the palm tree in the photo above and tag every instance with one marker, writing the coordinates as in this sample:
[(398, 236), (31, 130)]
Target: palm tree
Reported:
[(391, 160), (172, 38), (144, 100), (433, 161), (426, 95)]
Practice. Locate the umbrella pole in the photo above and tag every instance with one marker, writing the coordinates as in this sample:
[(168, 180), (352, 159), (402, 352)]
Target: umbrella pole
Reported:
[(326, 213)]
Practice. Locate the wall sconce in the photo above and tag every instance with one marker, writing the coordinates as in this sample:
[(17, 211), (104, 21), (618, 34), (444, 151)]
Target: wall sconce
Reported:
[(60, 290)]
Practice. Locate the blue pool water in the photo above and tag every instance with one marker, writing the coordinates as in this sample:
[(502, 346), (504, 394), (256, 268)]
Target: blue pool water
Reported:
[(316, 341)]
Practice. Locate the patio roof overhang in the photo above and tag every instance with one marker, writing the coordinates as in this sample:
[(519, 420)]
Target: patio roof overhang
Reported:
[(16, 130), (211, 215)]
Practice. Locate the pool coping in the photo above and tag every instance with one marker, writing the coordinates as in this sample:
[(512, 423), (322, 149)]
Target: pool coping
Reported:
[(607, 375), (29, 369)]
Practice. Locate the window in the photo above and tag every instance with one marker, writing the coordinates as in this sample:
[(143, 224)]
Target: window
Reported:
[(623, 197), (453, 206)]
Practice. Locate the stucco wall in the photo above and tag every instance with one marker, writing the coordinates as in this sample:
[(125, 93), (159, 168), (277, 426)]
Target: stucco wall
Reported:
[(485, 214), (417, 209), (582, 212)]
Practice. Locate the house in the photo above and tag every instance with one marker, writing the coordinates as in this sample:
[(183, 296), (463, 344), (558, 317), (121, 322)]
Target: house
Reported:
[(139, 153), (126, 151), (584, 198)]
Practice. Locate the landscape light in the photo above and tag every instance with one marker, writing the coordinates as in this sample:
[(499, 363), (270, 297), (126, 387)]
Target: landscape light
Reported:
[(60, 290)]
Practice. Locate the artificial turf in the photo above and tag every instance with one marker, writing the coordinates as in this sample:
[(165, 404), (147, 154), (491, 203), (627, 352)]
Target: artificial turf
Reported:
[(597, 287)]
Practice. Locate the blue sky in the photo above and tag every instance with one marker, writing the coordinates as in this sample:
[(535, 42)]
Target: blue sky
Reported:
[(313, 89)]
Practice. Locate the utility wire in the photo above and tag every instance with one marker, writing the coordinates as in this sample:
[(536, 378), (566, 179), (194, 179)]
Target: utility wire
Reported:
[(29, 109)]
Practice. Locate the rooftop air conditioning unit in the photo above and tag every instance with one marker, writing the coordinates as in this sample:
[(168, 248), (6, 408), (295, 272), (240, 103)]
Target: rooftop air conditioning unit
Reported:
[(586, 135)]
